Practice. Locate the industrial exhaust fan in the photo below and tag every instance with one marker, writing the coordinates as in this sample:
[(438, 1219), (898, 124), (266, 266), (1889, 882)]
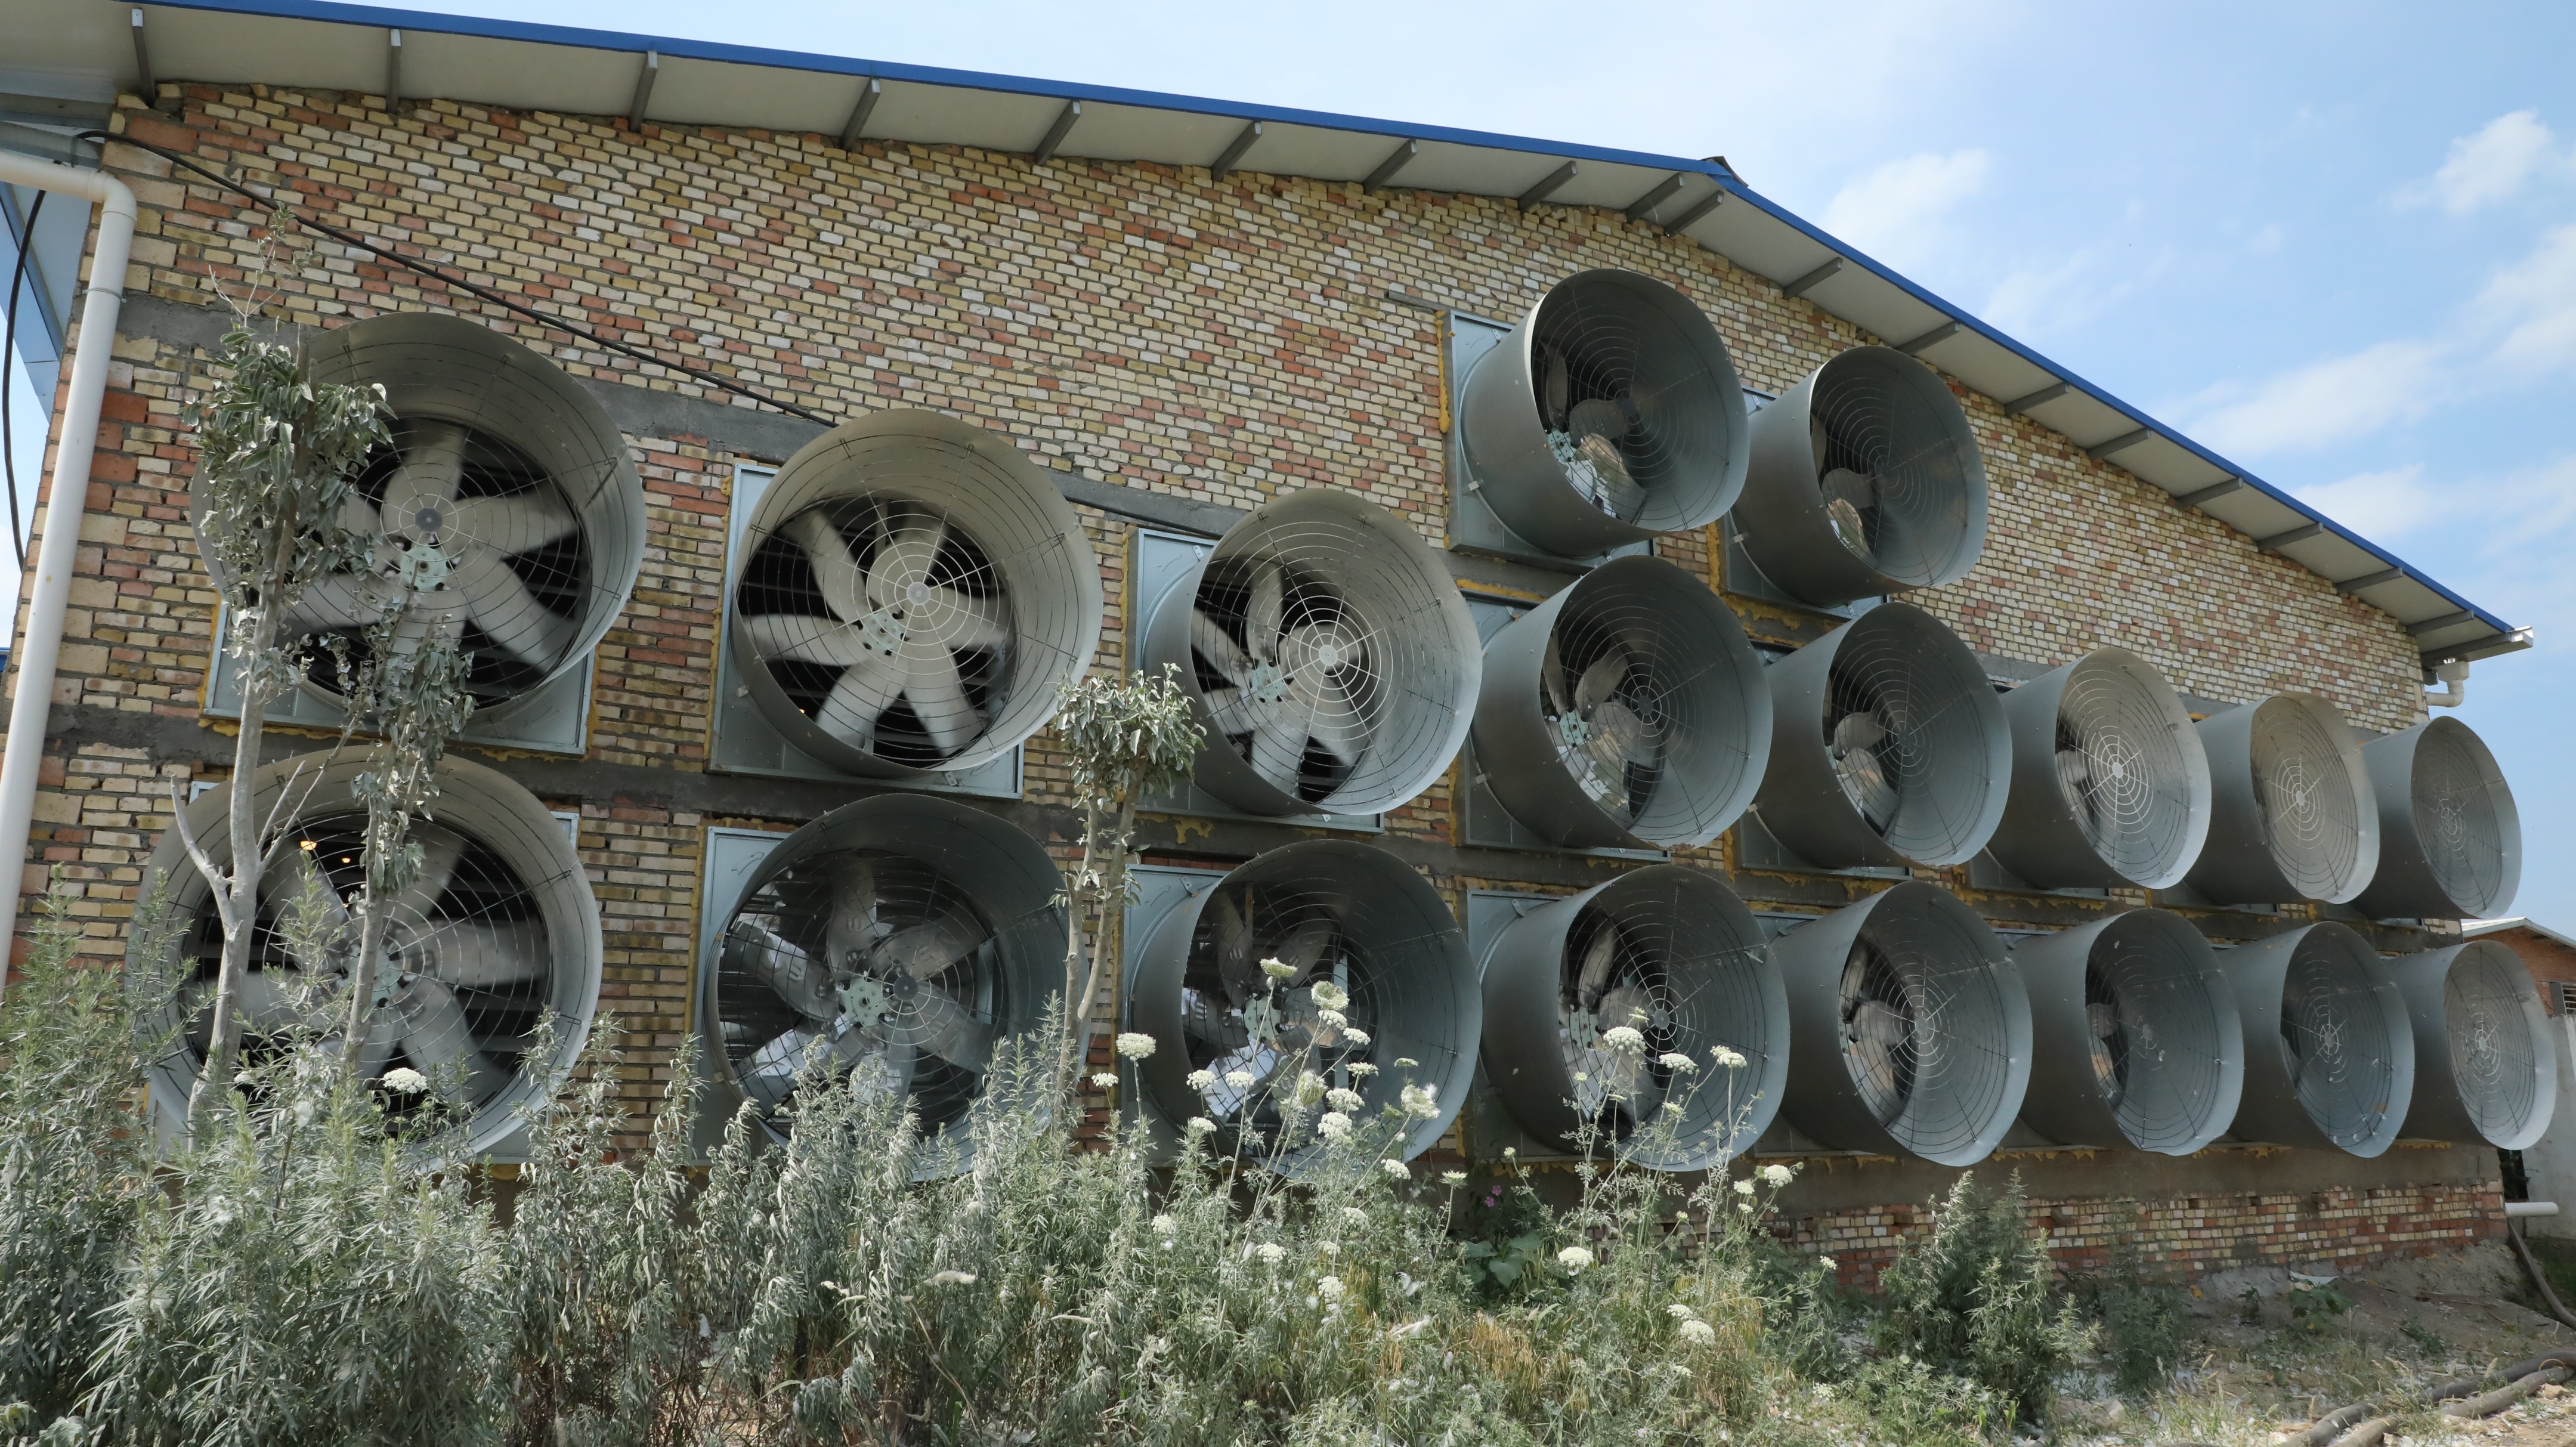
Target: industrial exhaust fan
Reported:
[(1865, 481), (1629, 708), (1328, 656), (2485, 1069), (2292, 815), (904, 938), (1888, 746), (1909, 1028), (1326, 958), (913, 590), (2329, 1051), (499, 929), (505, 501), (2450, 840), (2135, 1034), (1671, 955), (1611, 413), (2110, 786)]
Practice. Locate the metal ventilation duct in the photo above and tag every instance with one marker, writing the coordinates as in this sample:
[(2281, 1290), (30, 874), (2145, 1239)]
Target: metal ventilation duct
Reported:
[(902, 935), (1671, 953), (2485, 1067), (1865, 480), (1610, 414), (1328, 654), (2135, 1035), (499, 931), (2291, 811), (1909, 1028), (2450, 840), (2329, 1051), (913, 590), (1888, 745), (1335, 913), (2110, 786), (1628, 708), (506, 497)]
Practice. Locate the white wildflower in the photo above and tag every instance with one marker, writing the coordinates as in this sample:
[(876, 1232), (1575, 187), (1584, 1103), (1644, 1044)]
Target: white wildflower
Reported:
[(1271, 1253), (1135, 1045), (1574, 1258), (1360, 1068), (1395, 1170), (1698, 1333), (1277, 968), (1105, 1080), (1201, 1125), (1580, 1077), (1202, 1080), (1731, 1059), (1329, 1288), (1672, 1107), (1331, 1019), (1826, 1262), (1744, 1188), (1454, 1177), (1353, 1215), (1777, 1175), (1406, 1062), (403, 1080), (1329, 996), (1340, 1099), (1676, 1062), (1334, 1126), (1308, 1091), (1165, 1224), (1680, 1311), (1422, 1102), (1623, 1038), (1240, 1079), (953, 1278), (1356, 1037)]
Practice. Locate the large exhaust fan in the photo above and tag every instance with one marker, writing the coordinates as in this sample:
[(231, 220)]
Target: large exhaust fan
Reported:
[(904, 935), (2485, 1068), (1888, 746), (1865, 481), (1610, 414), (2450, 840), (913, 591), (2110, 787), (498, 930), (1668, 953), (2291, 811), (1629, 708), (1909, 1028), (506, 499), (1346, 923), (2135, 1035), (2329, 1051), (1330, 658)]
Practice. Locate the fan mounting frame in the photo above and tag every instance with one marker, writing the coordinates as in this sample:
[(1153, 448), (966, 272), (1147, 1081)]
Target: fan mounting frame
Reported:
[(2408, 884), (2068, 1102), (2240, 863), (2041, 838), (2272, 1110), (2440, 1109)]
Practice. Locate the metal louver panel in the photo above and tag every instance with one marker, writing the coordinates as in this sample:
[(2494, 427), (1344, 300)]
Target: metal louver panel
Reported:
[(2329, 1051), (2136, 1038), (2485, 1068), (2292, 815), (2450, 839), (2110, 783)]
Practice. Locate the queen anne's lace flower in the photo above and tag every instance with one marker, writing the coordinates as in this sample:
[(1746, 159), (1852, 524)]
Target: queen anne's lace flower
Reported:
[(1329, 996), (1698, 1333), (1731, 1059), (403, 1080), (1574, 1258), (1165, 1224), (1453, 1177), (1135, 1045), (1340, 1099), (1308, 1090), (1202, 1080), (1422, 1102), (1356, 1037), (1744, 1188), (1826, 1262), (1329, 1287), (1104, 1081), (1681, 1310), (1360, 1068), (1201, 1125), (1240, 1079), (1331, 1019), (1676, 1062), (1396, 1170), (1334, 1126), (1271, 1252), (1277, 968), (1777, 1175), (1623, 1038)]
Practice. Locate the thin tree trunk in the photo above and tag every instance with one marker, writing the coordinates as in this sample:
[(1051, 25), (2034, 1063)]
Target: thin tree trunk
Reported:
[(1104, 942), (241, 921), (1077, 900)]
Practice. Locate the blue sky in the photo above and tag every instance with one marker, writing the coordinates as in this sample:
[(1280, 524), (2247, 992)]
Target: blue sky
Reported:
[(2336, 242)]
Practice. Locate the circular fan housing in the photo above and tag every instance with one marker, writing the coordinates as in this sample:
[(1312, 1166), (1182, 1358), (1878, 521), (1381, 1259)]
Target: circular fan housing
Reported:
[(1909, 1028), (1888, 745), (1865, 480), (1336, 914), (1629, 708), (2292, 816), (2450, 840), (1672, 954), (506, 499), (906, 935), (499, 929), (1611, 413), (1327, 654), (912, 592), (2135, 1035), (2329, 1051), (2110, 787), (2485, 1066)]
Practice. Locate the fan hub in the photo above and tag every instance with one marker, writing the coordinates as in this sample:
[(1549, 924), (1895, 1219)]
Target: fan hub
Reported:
[(427, 521), (1576, 729), (866, 1001), (881, 632), (1267, 683)]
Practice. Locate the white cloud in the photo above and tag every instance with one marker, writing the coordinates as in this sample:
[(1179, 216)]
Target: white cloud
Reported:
[(1895, 212), (2378, 505), (2039, 301), (2534, 300), (2486, 167), (2326, 402)]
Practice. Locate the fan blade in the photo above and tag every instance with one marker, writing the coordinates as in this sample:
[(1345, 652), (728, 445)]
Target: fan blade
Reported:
[(1213, 644), (440, 1040), (1619, 736), (927, 951), (433, 463), (905, 558), (299, 879), (770, 1072), (378, 1050), (336, 600), (1601, 680), (439, 851), (1819, 441), (268, 1001), (1278, 746), (479, 955), (852, 929), (519, 523), (802, 982), (1226, 707), (836, 573), (949, 1030), (1552, 676), (1627, 1004), (1235, 965), (808, 639), (1555, 388), (1859, 489), (938, 696), (1265, 614), (1332, 716), (357, 515), (501, 605), (1592, 978), (1304, 949), (959, 619), (2075, 781)]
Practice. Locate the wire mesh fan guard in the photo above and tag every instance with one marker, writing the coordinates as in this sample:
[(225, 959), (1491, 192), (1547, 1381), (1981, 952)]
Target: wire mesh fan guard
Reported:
[(1865, 479), (2292, 815), (2329, 1053), (2486, 1069), (2134, 1034), (499, 929), (2110, 783), (1330, 658), (2450, 838), (1611, 413), (1333, 912), (1669, 952), (913, 590)]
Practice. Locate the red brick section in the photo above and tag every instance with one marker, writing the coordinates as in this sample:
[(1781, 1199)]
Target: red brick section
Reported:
[(2551, 963)]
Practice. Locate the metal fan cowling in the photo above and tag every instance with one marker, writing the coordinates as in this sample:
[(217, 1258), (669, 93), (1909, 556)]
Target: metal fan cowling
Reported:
[(2486, 1069), (2450, 839), (2292, 815), (905, 935), (1909, 1028), (1672, 954), (1629, 708), (499, 929), (1338, 916), (2110, 785), (1327, 654), (912, 591), (2135, 1035), (1865, 480), (1610, 414), (2329, 1050), (1888, 745), (507, 500)]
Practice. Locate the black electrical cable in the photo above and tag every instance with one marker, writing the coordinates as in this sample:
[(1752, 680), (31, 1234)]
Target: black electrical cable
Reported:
[(8, 355)]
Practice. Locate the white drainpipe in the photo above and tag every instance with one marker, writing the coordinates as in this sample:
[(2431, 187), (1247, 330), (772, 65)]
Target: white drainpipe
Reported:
[(66, 502)]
